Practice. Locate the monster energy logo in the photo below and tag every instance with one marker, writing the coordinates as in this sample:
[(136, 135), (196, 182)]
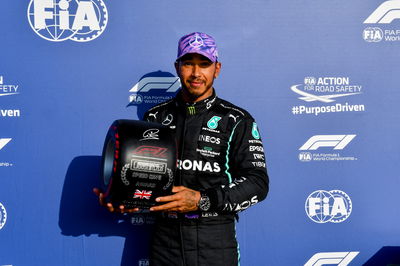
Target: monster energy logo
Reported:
[(191, 110)]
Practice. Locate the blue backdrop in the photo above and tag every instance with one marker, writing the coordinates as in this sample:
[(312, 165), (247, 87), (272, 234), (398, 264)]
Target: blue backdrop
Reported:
[(320, 79)]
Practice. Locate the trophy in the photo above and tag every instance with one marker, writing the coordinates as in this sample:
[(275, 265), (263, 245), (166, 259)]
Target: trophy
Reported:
[(138, 163)]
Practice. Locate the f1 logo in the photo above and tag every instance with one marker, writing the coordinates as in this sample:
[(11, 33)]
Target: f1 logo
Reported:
[(332, 258), (336, 141), (3, 142), (385, 13), (151, 151), (170, 84)]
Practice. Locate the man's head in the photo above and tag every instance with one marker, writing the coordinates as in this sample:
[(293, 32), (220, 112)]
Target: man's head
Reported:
[(197, 65)]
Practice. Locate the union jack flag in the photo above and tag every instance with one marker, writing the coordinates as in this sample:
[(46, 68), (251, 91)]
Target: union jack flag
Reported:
[(142, 194)]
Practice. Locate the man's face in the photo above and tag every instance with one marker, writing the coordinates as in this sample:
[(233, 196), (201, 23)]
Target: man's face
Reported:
[(197, 74)]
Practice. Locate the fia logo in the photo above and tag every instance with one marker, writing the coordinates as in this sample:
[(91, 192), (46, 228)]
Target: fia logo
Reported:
[(213, 122), (305, 156), (333, 206), (3, 216), (310, 81), (137, 219), (136, 98), (144, 262), (60, 20), (373, 34)]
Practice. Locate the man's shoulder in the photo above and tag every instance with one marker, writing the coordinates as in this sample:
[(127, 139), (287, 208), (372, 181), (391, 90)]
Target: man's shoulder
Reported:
[(233, 109), (155, 111)]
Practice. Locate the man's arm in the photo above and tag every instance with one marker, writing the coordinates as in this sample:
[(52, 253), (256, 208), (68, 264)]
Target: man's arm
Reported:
[(249, 182)]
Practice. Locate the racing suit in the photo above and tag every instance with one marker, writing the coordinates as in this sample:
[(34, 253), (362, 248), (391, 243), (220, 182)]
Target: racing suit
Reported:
[(220, 154)]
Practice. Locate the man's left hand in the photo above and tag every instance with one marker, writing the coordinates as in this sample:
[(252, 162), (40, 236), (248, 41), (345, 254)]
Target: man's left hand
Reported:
[(184, 200)]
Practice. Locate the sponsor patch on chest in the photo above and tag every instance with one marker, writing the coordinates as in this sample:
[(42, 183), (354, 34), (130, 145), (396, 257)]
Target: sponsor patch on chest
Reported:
[(196, 165)]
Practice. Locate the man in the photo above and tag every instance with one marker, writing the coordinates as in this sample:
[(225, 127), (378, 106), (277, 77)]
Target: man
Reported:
[(221, 166)]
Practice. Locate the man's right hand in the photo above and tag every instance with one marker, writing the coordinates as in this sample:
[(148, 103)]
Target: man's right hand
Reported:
[(109, 206)]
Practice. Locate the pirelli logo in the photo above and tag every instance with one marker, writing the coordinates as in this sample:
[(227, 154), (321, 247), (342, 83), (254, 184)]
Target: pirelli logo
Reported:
[(148, 166)]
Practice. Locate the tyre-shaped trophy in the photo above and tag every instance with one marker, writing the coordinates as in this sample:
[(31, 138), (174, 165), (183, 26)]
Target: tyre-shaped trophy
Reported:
[(138, 163)]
